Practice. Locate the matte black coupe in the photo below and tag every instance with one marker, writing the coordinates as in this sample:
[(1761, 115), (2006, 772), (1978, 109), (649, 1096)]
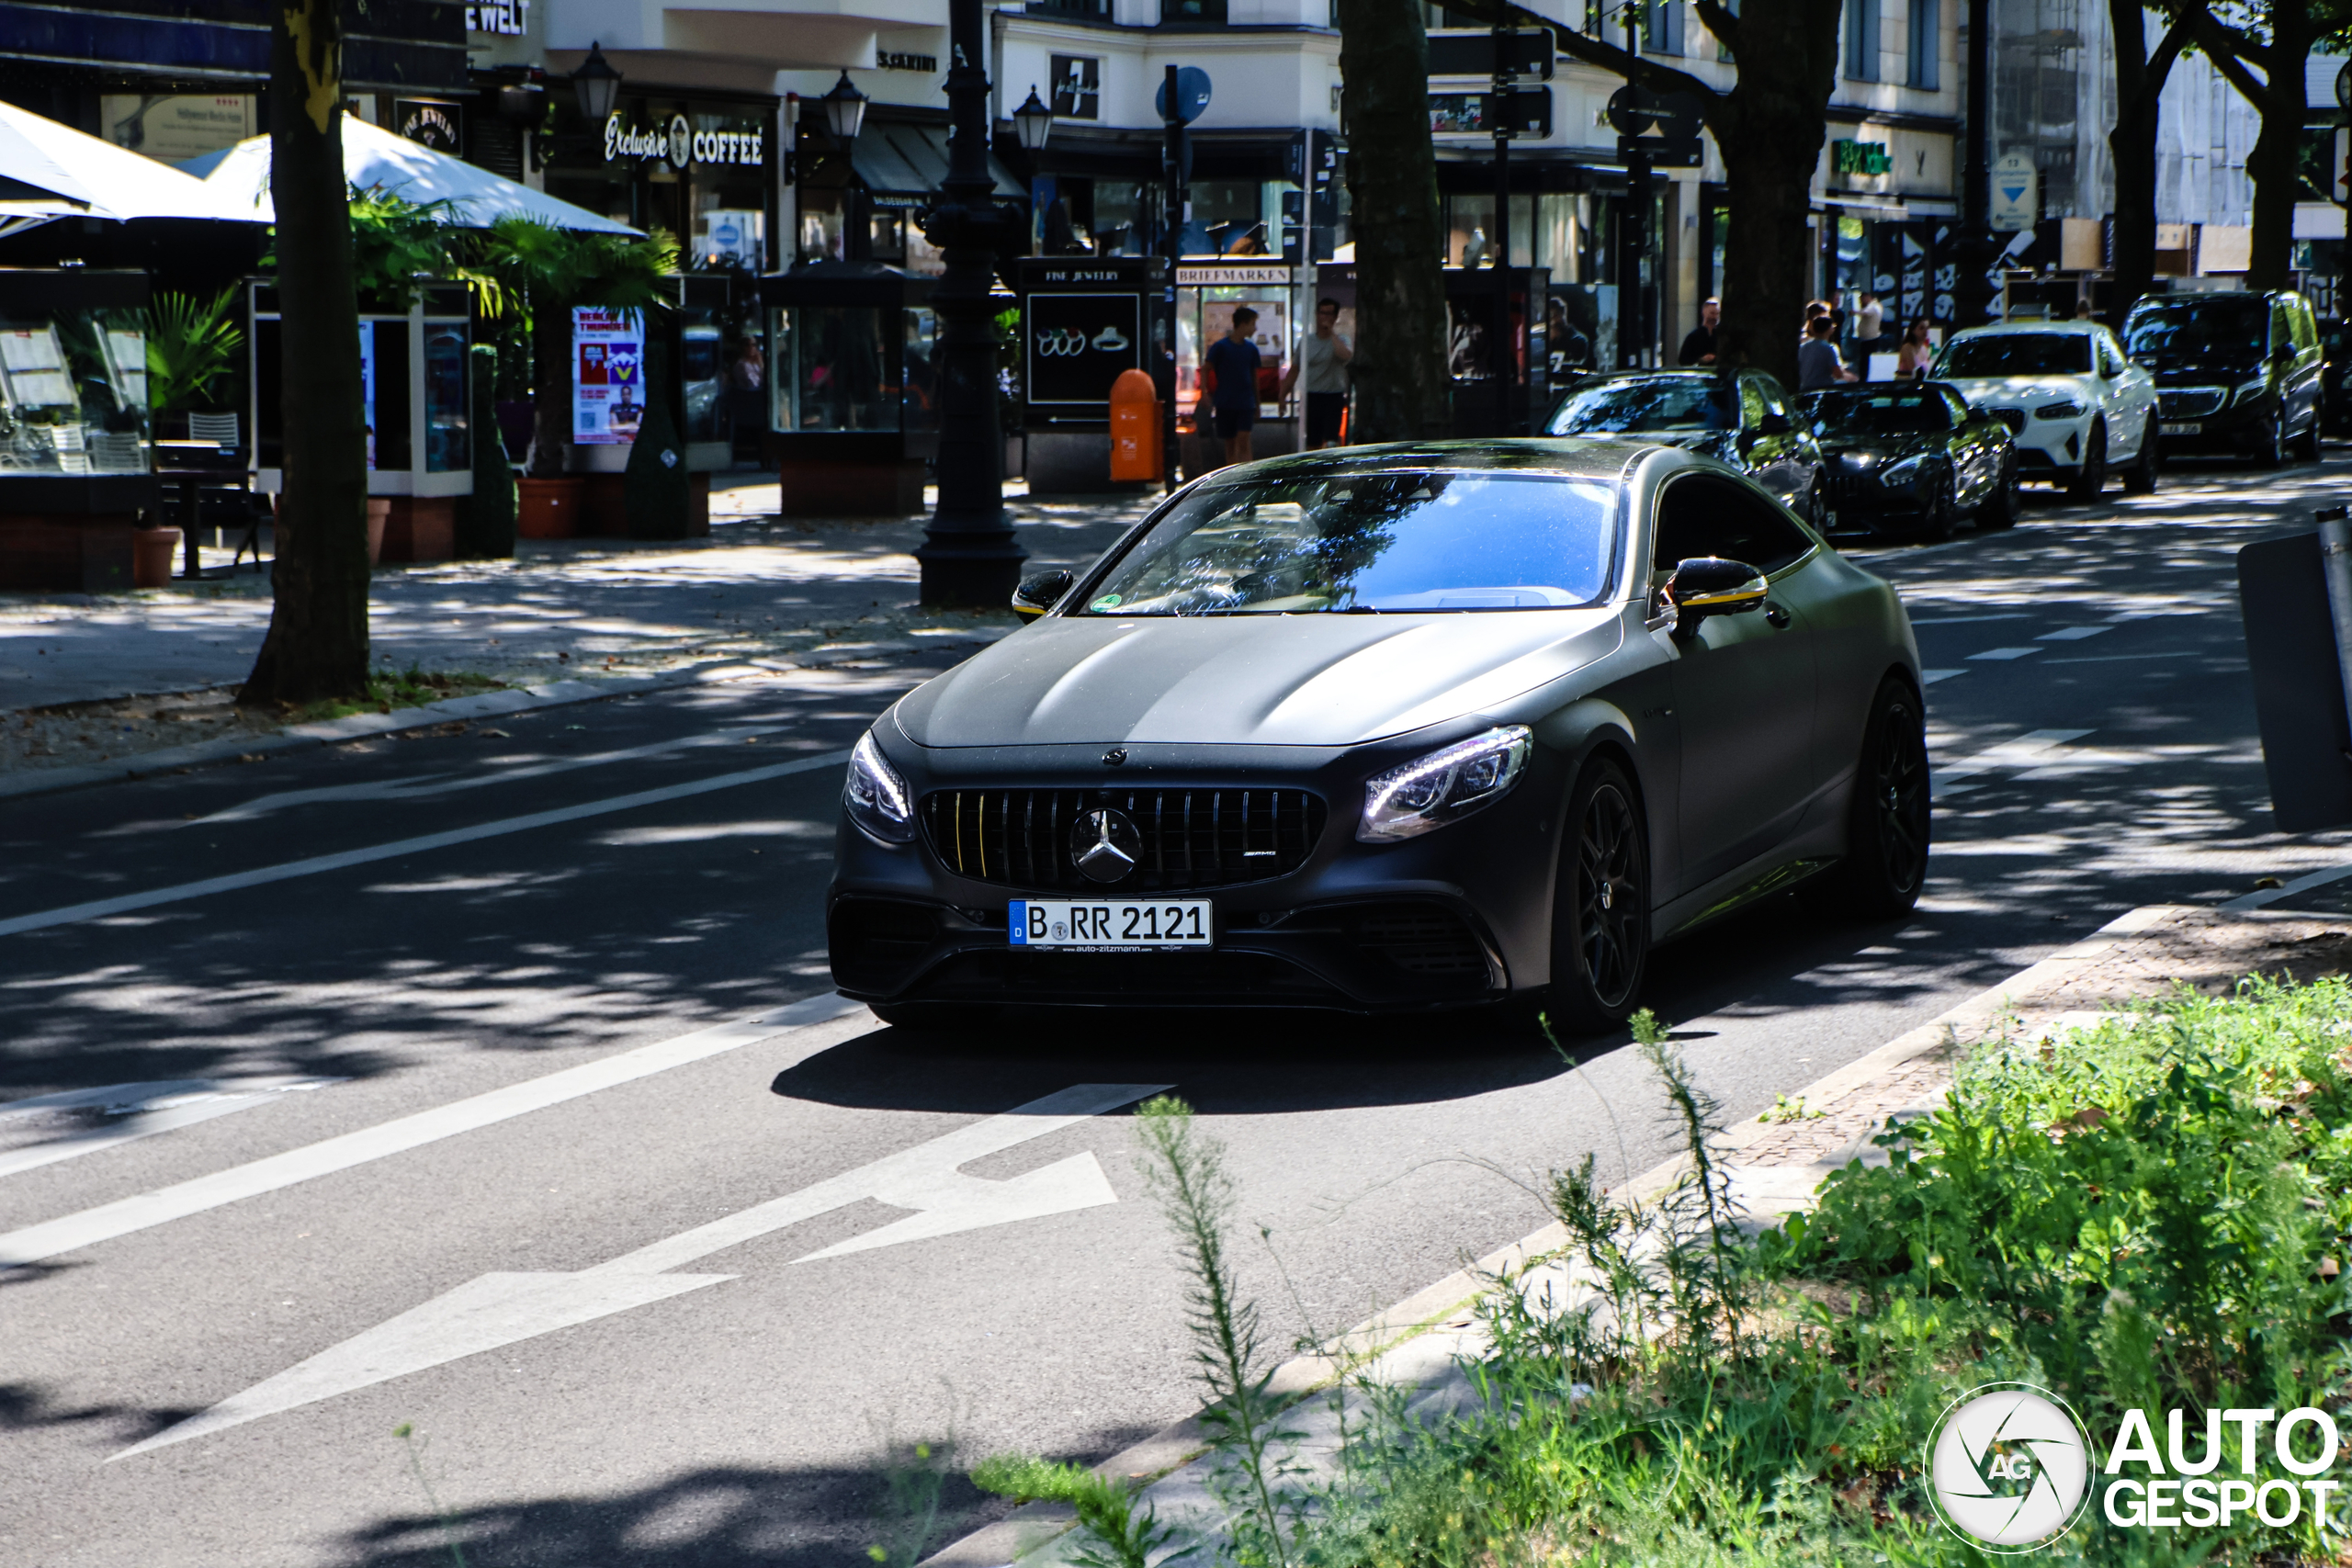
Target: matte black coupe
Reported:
[(1390, 728)]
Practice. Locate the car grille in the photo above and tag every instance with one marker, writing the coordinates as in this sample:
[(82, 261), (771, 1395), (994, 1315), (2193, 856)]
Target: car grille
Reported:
[(1425, 940), (2189, 402), (2013, 418), (1191, 838)]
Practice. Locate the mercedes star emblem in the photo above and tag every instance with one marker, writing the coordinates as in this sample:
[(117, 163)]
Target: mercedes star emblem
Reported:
[(1104, 845)]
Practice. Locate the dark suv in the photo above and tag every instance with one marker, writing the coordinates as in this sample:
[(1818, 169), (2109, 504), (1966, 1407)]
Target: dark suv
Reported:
[(2234, 371)]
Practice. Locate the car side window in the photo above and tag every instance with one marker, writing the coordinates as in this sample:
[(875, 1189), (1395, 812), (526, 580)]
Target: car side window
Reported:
[(1957, 405), (2306, 329), (2110, 363), (2282, 327), (1751, 402), (1703, 515)]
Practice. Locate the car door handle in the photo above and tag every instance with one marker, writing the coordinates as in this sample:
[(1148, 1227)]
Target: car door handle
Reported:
[(1778, 616)]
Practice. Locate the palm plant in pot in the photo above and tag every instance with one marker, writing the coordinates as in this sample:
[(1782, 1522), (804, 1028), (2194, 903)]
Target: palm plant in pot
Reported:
[(191, 344), (553, 270)]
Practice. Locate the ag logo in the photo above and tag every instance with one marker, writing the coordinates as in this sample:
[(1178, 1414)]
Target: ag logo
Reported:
[(2008, 1467)]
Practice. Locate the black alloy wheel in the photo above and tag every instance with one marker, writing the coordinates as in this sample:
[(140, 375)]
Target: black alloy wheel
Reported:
[(2091, 478), (1600, 916), (1887, 831), (2139, 478), (1999, 507), (1943, 509)]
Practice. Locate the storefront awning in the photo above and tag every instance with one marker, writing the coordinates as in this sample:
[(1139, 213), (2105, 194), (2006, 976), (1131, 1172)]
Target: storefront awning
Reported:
[(911, 161)]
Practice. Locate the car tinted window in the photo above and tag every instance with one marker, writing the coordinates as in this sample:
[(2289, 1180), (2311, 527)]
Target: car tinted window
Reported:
[(1902, 412), (1383, 540), (1648, 403), (2017, 353), (1703, 515), (2109, 362), (2225, 326), (2306, 329), (1955, 403)]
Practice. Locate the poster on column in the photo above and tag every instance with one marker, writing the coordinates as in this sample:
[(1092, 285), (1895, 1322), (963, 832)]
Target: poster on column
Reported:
[(608, 376)]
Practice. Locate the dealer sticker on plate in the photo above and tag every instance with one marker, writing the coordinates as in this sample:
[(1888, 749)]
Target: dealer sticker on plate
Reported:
[(1112, 922)]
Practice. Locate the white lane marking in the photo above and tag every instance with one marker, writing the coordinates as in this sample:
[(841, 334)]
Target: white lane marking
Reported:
[(494, 1310), (1964, 620), (2071, 634), (2219, 660), (2005, 653), (73, 913), (1930, 677), (145, 1109), (2301, 885), (425, 785), (2026, 750), (90, 1227)]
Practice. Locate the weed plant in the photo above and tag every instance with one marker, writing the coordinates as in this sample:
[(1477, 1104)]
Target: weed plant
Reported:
[(2150, 1214), (389, 689), (1121, 1530)]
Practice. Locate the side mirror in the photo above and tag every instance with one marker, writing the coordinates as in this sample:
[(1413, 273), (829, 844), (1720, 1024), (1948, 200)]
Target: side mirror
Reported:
[(1710, 585), (1772, 425), (1040, 593)]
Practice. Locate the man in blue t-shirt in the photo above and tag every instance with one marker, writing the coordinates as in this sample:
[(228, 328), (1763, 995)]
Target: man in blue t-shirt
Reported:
[(1233, 360)]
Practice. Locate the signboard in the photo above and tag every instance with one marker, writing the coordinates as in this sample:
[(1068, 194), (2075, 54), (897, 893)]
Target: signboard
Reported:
[(428, 122), (1077, 344), (499, 18), (1233, 276), (706, 139), (2017, 193), (1528, 112), (731, 236), (1677, 117), (367, 384), (1662, 154), (1192, 94), (608, 376), (173, 128), (1473, 53), (1917, 271), (1867, 158)]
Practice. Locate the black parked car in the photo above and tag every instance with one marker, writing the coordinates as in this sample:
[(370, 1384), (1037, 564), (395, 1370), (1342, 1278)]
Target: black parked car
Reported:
[(2234, 371), (1746, 420), (1913, 457), (2335, 402)]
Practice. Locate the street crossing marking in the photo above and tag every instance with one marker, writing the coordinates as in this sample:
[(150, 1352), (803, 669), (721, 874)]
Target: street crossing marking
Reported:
[(2005, 653), (496, 1310), (72, 1232), (2026, 750), (99, 908), (1930, 677), (144, 1109), (2071, 634)]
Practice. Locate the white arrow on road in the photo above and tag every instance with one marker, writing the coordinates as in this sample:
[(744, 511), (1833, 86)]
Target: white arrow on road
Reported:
[(501, 1309)]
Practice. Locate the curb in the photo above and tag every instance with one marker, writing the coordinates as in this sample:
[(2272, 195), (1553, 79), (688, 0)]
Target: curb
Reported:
[(1035, 1525), (360, 725)]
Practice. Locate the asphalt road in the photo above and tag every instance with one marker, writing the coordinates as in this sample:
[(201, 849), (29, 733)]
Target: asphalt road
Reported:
[(400, 1164)]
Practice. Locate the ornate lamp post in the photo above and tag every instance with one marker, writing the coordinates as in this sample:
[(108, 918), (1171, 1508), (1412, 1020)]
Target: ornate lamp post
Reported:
[(845, 110), (1033, 122), (595, 86), (968, 555)]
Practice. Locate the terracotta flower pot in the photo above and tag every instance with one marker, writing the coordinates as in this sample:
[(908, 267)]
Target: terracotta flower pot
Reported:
[(152, 552), (548, 509)]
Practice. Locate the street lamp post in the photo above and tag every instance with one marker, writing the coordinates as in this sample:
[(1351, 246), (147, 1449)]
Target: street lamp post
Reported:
[(968, 556), (595, 86), (844, 110)]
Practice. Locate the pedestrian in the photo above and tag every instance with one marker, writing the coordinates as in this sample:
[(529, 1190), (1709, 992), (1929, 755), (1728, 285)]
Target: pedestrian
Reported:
[(1323, 356), (1233, 360), (1699, 348), (1870, 321), (1817, 362), (1911, 360), (1813, 310)]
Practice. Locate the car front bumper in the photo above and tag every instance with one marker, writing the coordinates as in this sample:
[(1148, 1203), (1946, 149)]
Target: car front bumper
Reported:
[(2193, 424), (1456, 916), (1861, 493)]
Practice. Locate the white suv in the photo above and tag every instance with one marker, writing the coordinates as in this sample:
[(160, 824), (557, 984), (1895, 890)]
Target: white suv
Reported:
[(2077, 407)]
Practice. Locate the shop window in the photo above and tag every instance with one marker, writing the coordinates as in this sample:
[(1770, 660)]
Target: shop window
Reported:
[(1078, 86), (1862, 40), (1926, 45), (1662, 27), (447, 447), (1122, 219)]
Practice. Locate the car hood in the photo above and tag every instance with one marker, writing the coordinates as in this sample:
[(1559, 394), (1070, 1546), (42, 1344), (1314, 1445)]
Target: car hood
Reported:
[(1318, 679), (2018, 391)]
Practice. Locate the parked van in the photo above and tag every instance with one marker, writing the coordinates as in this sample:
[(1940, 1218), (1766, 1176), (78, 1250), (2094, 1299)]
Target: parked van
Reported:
[(2234, 371)]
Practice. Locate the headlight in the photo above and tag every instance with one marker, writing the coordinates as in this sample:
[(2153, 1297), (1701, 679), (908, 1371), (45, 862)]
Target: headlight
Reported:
[(2246, 391), (1859, 459), (1904, 472), (875, 797), (1443, 786), (2059, 411)]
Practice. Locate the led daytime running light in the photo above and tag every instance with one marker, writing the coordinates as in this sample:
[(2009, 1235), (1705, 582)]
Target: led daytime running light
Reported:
[(1444, 786)]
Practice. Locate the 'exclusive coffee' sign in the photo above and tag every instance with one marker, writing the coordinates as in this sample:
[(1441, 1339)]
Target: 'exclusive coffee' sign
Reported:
[(681, 143)]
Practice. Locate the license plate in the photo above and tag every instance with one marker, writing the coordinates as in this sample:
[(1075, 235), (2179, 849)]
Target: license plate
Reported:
[(1110, 923), (2183, 427)]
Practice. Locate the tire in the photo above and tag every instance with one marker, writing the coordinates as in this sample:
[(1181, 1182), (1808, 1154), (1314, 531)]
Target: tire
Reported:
[(1943, 511), (2308, 447), (1887, 829), (1601, 905), (2139, 478), (1999, 509), (2091, 478), (1820, 511), (2269, 449)]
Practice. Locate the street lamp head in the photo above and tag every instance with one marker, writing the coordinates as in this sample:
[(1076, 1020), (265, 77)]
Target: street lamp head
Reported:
[(1033, 122), (844, 110), (2344, 88), (595, 85)]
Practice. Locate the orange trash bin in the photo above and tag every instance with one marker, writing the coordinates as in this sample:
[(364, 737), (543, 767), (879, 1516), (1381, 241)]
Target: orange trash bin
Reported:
[(1134, 426)]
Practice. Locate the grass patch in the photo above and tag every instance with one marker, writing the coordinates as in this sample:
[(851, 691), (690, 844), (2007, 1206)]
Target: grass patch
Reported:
[(2150, 1216), (389, 689)]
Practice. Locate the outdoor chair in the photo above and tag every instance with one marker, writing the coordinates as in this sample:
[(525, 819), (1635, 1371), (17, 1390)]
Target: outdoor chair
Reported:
[(111, 454), (65, 440), (221, 427)]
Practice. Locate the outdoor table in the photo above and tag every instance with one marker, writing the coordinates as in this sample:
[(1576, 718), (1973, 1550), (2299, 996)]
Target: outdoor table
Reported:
[(184, 461)]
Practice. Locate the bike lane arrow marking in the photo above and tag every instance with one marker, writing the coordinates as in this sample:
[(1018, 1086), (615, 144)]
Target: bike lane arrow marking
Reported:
[(501, 1308)]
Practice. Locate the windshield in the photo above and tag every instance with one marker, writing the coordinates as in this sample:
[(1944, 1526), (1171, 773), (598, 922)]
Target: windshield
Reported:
[(1411, 539), (1880, 413), (2017, 353), (2231, 328), (1652, 402)]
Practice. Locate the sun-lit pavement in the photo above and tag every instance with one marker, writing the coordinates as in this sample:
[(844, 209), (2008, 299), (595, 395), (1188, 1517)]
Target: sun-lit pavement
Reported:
[(669, 1308)]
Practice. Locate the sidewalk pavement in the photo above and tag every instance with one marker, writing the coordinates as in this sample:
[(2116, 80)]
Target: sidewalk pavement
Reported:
[(1420, 1348), (762, 589)]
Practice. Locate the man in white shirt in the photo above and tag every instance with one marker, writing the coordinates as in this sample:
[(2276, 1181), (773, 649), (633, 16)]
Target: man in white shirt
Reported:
[(1323, 356), (1870, 321)]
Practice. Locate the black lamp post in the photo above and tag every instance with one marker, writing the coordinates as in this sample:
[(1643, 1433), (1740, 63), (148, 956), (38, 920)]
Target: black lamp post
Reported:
[(968, 555), (1033, 122), (595, 86), (845, 110)]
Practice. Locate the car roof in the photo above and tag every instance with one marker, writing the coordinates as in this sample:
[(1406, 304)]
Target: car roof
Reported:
[(1576, 457), (2007, 329)]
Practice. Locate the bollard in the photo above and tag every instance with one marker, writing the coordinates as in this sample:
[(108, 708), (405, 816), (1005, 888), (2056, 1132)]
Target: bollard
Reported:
[(2336, 562), (1135, 427)]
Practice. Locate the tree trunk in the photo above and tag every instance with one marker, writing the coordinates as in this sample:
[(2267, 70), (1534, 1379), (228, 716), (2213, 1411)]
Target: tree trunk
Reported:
[(2276, 162), (2131, 145), (550, 386), (1402, 391), (317, 644)]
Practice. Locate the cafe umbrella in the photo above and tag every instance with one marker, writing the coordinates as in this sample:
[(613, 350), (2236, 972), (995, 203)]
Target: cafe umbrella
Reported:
[(50, 170)]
